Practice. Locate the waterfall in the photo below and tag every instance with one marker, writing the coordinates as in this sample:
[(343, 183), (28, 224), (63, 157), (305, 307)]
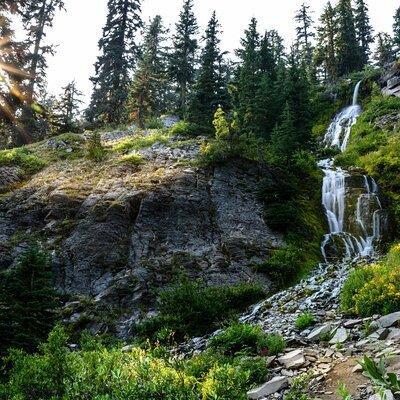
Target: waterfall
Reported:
[(350, 236)]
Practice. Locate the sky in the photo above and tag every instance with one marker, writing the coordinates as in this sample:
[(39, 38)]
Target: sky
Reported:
[(77, 30)]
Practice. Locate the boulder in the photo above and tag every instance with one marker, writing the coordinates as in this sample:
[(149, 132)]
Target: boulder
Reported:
[(387, 321), (340, 336), (387, 395), (294, 359), (318, 332), (274, 385)]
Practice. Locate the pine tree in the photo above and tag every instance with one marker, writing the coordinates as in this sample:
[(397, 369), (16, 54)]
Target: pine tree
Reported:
[(348, 50), (363, 29), (147, 92), (37, 15), (325, 54), (67, 108), (305, 32), (27, 302), (210, 91), (384, 53), (13, 74), (114, 65), (248, 78), (183, 58), (298, 101), (283, 138), (396, 31)]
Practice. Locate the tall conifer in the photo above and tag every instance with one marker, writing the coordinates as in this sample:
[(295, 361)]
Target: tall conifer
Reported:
[(114, 65), (396, 31), (348, 49), (325, 55), (209, 91), (363, 29), (305, 32), (183, 57), (147, 92)]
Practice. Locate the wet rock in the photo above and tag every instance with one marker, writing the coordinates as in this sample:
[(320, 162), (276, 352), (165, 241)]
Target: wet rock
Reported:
[(294, 359), (274, 385)]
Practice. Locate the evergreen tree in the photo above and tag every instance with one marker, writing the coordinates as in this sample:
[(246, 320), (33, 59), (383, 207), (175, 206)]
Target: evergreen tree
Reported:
[(67, 108), (114, 65), (13, 73), (27, 302), (384, 53), (210, 90), (37, 15), (147, 92), (298, 102), (363, 29), (396, 31), (248, 80), (283, 138), (305, 32), (183, 58), (268, 100), (325, 54), (348, 50)]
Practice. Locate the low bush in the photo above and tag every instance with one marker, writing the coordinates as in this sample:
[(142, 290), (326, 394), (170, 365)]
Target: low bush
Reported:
[(284, 265), (138, 142), (374, 289), (95, 372), (193, 309), (22, 157), (132, 159), (305, 321), (184, 128), (95, 149), (154, 123), (246, 339)]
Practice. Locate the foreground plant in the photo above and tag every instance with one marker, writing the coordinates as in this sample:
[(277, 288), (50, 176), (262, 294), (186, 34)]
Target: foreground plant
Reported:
[(378, 374)]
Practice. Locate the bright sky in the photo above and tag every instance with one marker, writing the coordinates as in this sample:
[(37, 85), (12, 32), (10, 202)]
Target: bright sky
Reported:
[(77, 31)]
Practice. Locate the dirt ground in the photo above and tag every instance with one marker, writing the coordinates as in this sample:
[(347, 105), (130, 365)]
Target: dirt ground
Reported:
[(342, 373)]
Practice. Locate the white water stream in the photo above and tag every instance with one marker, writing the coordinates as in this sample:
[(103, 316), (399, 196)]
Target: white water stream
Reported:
[(355, 239)]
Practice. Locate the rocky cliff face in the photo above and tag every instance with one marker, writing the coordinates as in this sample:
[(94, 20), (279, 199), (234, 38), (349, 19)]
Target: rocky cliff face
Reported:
[(391, 80), (119, 233)]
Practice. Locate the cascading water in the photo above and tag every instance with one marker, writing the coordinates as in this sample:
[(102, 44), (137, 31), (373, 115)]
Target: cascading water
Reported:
[(349, 235)]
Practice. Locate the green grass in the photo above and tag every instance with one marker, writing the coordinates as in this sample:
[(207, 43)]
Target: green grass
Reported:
[(304, 321), (138, 142)]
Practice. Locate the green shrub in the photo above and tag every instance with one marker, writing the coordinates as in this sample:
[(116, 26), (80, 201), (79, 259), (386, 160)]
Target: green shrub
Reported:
[(132, 159), (27, 301), (193, 309), (95, 372), (225, 383), (154, 123), (22, 157), (138, 142), (246, 339), (284, 265), (95, 149), (374, 289), (304, 321), (184, 128)]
